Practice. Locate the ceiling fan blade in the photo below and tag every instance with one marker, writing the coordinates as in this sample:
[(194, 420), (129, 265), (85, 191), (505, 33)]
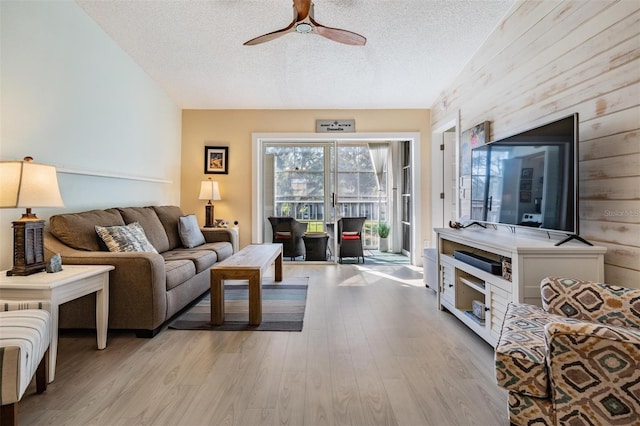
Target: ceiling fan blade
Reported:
[(302, 7), (298, 8), (303, 22), (341, 36), (269, 36)]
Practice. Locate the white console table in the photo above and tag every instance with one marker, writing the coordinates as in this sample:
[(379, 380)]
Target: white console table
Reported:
[(533, 257), (72, 282)]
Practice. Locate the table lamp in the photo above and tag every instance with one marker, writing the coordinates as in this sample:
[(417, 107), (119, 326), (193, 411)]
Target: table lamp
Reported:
[(26, 184), (209, 190)]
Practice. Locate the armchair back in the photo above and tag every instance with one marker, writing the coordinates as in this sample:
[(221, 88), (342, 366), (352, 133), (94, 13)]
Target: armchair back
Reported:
[(588, 301), (288, 232)]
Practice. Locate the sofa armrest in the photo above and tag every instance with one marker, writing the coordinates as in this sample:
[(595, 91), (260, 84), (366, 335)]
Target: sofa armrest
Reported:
[(216, 235), (137, 285), (594, 366)]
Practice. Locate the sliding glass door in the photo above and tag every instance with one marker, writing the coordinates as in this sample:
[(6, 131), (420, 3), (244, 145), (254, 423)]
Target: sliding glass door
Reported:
[(297, 183), (319, 182)]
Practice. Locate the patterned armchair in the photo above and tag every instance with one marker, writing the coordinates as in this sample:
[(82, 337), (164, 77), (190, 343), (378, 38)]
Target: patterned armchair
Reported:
[(576, 360)]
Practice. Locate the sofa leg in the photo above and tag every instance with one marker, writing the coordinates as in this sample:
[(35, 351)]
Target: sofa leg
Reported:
[(41, 373), (147, 334), (9, 415)]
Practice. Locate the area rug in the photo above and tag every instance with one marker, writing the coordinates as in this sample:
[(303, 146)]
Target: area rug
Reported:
[(375, 257), (283, 306)]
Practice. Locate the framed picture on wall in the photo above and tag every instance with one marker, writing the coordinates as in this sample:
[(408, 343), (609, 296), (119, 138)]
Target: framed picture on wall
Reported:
[(525, 185), (216, 160), (527, 173)]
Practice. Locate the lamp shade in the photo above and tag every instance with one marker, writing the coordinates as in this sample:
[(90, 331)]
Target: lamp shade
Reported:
[(27, 184), (209, 190)]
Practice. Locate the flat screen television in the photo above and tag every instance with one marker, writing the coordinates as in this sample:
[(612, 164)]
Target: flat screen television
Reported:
[(529, 179)]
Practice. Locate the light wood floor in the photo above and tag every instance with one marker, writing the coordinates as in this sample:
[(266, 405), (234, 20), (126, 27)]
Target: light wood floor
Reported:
[(374, 350)]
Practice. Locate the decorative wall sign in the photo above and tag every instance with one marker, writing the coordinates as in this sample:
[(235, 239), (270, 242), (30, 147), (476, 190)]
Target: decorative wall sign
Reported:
[(216, 160), (335, 126), (472, 138)]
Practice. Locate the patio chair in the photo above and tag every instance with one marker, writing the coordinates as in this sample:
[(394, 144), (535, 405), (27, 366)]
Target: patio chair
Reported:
[(350, 238), (288, 232)]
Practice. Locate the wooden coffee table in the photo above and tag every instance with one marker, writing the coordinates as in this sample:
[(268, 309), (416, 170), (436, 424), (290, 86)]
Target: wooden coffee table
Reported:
[(247, 264)]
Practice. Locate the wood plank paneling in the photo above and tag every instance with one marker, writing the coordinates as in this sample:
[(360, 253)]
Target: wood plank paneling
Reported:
[(549, 59), (618, 144)]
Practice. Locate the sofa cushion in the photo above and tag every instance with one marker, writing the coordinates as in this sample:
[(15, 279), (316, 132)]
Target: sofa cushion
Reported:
[(178, 272), (169, 215), (223, 249), (190, 233), (125, 238), (148, 219), (202, 259), (77, 230), (521, 352)]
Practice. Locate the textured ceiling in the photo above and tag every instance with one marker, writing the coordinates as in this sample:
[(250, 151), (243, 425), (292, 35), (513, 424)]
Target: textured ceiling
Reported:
[(193, 49)]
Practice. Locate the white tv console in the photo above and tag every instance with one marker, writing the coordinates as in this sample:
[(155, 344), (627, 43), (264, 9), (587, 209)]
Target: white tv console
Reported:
[(532, 256)]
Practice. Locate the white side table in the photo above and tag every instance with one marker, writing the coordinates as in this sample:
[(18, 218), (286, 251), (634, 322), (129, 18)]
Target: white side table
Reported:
[(72, 282)]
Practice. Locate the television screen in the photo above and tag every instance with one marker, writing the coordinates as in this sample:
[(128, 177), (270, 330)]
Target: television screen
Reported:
[(529, 179)]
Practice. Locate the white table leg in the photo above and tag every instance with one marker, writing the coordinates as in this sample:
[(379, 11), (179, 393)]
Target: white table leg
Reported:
[(53, 347), (102, 314)]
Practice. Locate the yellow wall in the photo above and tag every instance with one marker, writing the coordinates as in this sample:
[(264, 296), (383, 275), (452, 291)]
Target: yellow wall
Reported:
[(234, 128)]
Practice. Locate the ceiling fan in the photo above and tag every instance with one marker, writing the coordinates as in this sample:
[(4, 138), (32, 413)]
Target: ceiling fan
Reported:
[(304, 23)]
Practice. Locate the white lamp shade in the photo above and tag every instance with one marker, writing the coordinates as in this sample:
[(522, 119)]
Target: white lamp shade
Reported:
[(26, 184), (209, 190)]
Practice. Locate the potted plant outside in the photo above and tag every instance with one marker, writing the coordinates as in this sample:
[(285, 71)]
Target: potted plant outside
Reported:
[(383, 236)]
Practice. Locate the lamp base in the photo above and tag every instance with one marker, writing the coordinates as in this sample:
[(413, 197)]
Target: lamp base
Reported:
[(208, 216), (28, 247)]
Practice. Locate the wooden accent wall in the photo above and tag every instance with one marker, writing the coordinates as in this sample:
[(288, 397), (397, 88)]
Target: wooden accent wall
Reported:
[(547, 60)]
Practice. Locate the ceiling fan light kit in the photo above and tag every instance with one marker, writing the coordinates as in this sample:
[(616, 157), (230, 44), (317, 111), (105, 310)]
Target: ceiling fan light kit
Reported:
[(304, 28), (304, 23)]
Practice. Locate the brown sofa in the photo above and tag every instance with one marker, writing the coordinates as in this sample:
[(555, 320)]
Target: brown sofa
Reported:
[(145, 289)]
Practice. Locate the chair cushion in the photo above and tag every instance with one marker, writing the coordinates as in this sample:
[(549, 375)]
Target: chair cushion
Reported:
[(28, 330), (190, 233), (282, 235), (127, 238), (521, 352), (350, 235)]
